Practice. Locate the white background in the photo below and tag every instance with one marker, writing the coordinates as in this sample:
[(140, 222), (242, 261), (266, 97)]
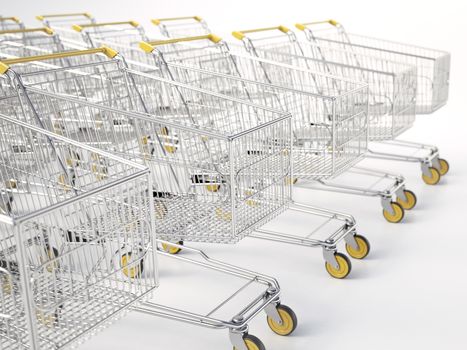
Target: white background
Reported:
[(411, 291)]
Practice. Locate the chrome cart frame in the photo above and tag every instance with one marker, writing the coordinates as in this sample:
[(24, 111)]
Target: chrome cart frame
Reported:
[(75, 85), (432, 69)]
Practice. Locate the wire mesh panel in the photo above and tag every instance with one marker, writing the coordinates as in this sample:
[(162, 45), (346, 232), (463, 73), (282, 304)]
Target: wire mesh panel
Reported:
[(11, 310), (392, 86), (330, 114), (177, 27), (433, 66), (76, 237), (219, 164)]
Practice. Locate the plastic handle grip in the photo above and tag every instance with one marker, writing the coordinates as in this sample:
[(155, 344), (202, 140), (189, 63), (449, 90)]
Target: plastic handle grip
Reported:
[(5, 64)]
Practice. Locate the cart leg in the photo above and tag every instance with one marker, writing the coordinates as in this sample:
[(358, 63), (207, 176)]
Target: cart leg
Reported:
[(400, 193), (426, 169), (329, 255), (430, 174), (271, 312), (350, 240), (436, 163), (337, 264), (386, 203), (236, 336)]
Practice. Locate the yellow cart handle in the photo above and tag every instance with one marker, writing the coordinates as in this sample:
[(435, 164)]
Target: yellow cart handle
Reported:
[(13, 19), (80, 27), (302, 26), (46, 30), (58, 15), (5, 64), (240, 35), (157, 21), (148, 46)]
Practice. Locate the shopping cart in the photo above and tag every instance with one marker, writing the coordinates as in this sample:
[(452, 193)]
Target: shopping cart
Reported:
[(214, 55), (14, 40), (120, 32), (334, 226), (177, 27), (433, 69), (61, 23), (74, 221), (197, 193), (7, 23)]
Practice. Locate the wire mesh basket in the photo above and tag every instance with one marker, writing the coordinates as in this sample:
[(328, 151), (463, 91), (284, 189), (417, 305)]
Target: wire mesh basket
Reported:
[(76, 237)]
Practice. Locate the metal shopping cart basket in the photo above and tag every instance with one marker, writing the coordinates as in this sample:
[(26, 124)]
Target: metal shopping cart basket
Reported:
[(433, 69), (61, 23), (336, 226), (74, 220), (20, 42), (177, 27), (371, 182), (98, 105), (120, 32), (8, 23)]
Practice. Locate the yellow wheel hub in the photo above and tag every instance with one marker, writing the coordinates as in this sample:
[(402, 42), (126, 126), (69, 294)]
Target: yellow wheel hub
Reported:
[(131, 272), (46, 319), (344, 267), (50, 266), (363, 248), (170, 248), (289, 321), (291, 181), (444, 166), (252, 343), (223, 215), (62, 180), (410, 202), (100, 171), (250, 202), (170, 149), (398, 213), (433, 179), (11, 184), (160, 210), (213, 188), (7, 285)]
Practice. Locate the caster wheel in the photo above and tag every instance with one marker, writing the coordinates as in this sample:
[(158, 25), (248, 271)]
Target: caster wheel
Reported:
[(251, 202), (47, 319), (213, 188), (363, 248), (64, 183), (131, 272), (252, 343), (100, 171), (170, 149), (434, 178), (171, 146), (398, 213), (289, 321), (411, 200), (344, 267), (50, 254), (223, 215), (444, 166), (160, 209), (172, 249), (291, 181)]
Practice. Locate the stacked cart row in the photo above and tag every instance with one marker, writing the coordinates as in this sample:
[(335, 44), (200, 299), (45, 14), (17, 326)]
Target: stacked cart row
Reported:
[(117, 150)]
